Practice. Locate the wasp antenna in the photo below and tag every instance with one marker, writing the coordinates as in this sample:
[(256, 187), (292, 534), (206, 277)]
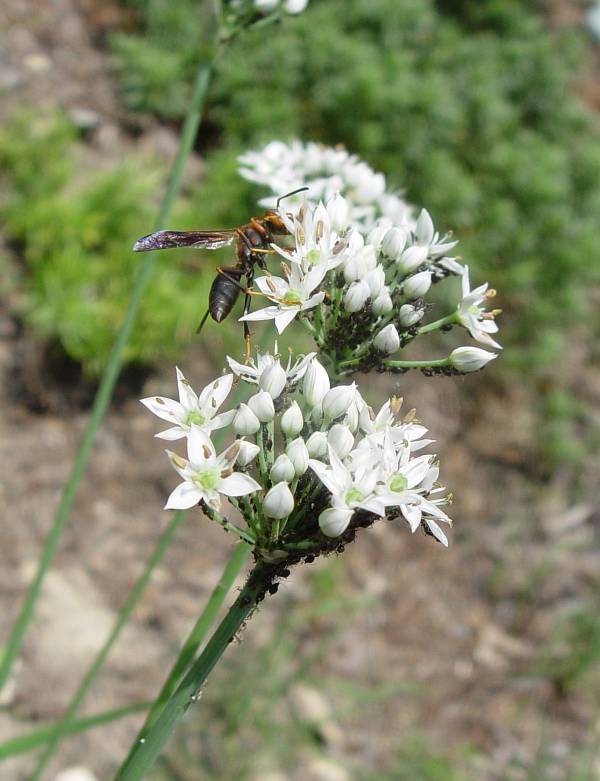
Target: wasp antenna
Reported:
[(287, 195), (202, 321)]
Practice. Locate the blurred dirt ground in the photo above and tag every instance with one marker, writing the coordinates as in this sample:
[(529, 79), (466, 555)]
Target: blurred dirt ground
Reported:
[(469, 626)]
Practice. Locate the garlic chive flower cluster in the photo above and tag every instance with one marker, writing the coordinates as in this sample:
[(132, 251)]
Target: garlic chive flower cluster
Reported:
[(364, 295), (245, 12), (307, 462)]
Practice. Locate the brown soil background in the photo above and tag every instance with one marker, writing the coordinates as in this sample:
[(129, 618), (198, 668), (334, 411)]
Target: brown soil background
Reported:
[(467, 624)]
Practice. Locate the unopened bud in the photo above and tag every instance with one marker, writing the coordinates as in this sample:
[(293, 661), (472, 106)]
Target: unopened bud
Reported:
[(262, 406), (334, 521), (417, 286), (383, 303), (248, 452), (409, 315), (316, 383), (245, 421), (316, 444), (341, 440), (470, 359), (411, 258), (387, 340), (279, 501), (337, 401), (272, 380), (282, 470), (292, 420), (297, 452), (394, 242), (375, 279), (337, 208), (356, 296)]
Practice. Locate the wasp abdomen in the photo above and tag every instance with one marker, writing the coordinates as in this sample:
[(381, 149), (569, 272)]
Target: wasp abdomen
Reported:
[(224, 292)]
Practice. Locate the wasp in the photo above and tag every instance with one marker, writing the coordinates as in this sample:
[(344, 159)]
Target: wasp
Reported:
[(253, 242)]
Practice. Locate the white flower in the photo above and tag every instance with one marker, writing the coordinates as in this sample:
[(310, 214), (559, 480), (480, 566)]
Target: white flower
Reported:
[(387, 340), (334, 521), (205, 475), (279, 501), (412, 257), (248, 452), (317, 243), (297, 452), (427, 237), (337, 401), (359, 259), (316, 383), (356, 296), (470, 359), (338, 211), (479, 323), (295, 6), (282, 470), (268, 373), (316, 444), (416, 286), (262, 406), (383, 303), (245, 421), (394, 242), (340, 438), (410, 315), (375, 279), (292, 420), (291, 296), (192, 410)]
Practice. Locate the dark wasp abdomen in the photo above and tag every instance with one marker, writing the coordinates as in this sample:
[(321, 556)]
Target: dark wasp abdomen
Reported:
[(224, 292)]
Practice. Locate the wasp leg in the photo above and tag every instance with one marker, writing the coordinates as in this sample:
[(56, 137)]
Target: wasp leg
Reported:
[(201, 326), (247, 301), (224, 272)]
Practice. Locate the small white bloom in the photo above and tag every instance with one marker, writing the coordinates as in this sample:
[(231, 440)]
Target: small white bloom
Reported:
[(410, 315), (470, 359), (192, 410), (379, 232), (262, 406), (272, 380), (291, 295), (383, 303), (340, 438), (268, 373), (356, 296), (416, 286), (359, 260), (428, 239), (479, 323), (316, 444), (297, 452), (282, 470), (279, 501), (205, 475), (245, 421), (394, 242), (375, 279), (248, 452), (295, 6), (387, 340), (411, 258), (334, 521), (338, 211), (316, 383), (337, 401), (292, 420)]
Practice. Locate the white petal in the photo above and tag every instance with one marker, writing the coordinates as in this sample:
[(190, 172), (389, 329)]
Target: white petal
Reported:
[(268, 313), (197, 444), (412, 513), (216, 393), (219, 421), (187, 396), (186, 495), (238, 484), (436, 531), (166, 409), (171, 434), (284, 318)]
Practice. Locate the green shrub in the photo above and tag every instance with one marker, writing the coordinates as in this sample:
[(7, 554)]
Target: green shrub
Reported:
[(74, 231)]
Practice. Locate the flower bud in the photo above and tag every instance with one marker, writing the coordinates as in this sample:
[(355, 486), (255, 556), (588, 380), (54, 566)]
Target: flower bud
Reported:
[(282, 470), (278, 502), (334, 521), (377, 234), (409, 315), (262, 406), (245, 421), (356, 296), (424, 229), (351, 418), (417, 285), (383, 303), (248, 452), (387, 340), (316, 415), (375, 279), (295, 6), (394, 242), (292, 420), (297, 452), (337, 208), (341, 440), (354, 267), (412, 258), (316, 444), (316, 383), (470, 359), (272, 380), (337, 401)]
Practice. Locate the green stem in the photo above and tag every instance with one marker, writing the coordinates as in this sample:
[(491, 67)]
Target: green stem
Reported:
[(196, 636), (147, 748), (417, 364), (109, 377), (62, 728), (448, 320), (38, 737)]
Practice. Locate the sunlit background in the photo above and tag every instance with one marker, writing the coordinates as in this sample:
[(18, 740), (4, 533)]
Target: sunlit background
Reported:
[(399, 660)]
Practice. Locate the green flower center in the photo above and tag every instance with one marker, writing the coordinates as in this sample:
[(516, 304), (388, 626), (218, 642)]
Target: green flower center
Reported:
[(312, 256), (208, 480), (195, 417), (291, 297), (353, 495), (398, 483), (474, 310)]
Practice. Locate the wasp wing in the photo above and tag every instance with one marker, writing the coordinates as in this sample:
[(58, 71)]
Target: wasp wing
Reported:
[(197, 239)]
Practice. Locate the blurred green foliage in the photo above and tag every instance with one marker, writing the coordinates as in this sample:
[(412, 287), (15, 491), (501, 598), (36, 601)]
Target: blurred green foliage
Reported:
[(74, 234), (573, 658)]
